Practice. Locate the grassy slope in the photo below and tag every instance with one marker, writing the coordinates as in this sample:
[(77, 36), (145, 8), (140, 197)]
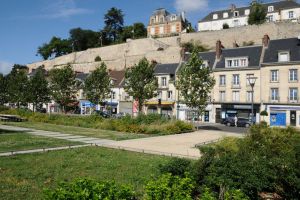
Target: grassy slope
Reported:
[(15, 141), (89, 132), (24, 176)]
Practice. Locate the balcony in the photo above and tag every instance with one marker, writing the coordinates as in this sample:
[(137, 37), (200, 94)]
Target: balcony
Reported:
[(293, 100), (274, 100)]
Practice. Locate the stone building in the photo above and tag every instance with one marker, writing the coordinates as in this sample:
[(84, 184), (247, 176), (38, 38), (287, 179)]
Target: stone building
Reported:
[(285, 10), (162, 23)]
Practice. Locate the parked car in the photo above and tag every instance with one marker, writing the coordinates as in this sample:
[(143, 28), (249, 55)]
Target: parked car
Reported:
[(101, 113), (241, 122)]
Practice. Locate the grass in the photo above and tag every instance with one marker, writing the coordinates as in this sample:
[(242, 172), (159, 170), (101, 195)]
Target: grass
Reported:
[(25, 176), (17, 141), (89, 132)]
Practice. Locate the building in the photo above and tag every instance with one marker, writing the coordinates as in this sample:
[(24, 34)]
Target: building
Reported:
[(162, 23), (280, 82), (165, 102), (235, 17)]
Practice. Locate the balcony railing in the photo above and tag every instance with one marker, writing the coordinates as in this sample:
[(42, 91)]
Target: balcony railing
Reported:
[(235, 86)]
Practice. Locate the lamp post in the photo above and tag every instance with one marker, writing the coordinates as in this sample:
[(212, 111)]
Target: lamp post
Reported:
[(251, 81)]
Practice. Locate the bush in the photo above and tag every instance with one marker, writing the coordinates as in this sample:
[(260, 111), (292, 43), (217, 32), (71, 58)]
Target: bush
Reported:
[(98, 59), (264, 113), (170, 187), (225, 26), (3, 108), (176, 167), (85, 189)]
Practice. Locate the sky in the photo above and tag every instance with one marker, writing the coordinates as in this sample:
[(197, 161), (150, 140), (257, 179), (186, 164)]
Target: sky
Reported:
[(27, 24)]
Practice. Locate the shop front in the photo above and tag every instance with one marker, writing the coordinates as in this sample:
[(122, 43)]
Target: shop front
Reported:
[(284, 115), (240, 110), (166, 108)]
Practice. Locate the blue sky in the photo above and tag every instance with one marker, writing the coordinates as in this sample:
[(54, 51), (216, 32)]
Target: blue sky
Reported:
[(26, 24)]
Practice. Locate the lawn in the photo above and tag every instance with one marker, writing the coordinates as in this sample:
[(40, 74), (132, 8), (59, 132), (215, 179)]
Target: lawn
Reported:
[(15, 141), (25, 176), (75, 130)]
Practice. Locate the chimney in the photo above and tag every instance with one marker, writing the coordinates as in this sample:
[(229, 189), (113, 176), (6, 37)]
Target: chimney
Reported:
[(235, 45), (266, 40), (232, 7), (219, 48), (183, 16)]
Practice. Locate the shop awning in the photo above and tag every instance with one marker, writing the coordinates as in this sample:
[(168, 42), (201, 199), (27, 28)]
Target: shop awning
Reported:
[(164, 103)]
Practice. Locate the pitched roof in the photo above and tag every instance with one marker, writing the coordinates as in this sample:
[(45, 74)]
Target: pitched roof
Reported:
[(166, 68), (209, 57), (291, 45), (252, 52), (82, 76), (117, 76), (278, 5)]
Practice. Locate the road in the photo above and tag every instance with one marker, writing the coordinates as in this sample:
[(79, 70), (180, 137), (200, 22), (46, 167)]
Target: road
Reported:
[(221, 127)]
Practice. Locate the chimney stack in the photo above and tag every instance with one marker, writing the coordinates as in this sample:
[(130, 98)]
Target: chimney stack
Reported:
[(232, 7), (266, 40), (219, 48)]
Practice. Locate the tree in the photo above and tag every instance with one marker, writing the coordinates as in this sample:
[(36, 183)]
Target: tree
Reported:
[(97, 85), (55, 48), (18, 85), (225, 26), (195, 82), (140, 82), (84, 39), (39, 88), (63, 85), (257, 14), (3, 89), (193, 46), (114, 20), (139, 30)]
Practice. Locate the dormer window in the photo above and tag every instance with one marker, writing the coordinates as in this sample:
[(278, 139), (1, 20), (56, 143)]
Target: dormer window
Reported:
[(173, 18), (291, 14), (236, 62), (247, 12), (225, 15), (205, 63), (161, 20), (284, 56), (270, 8), (236, 13), (215, 16)]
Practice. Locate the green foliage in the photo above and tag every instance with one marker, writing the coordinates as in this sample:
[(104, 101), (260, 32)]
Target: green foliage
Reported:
[(63, 85), (114, 20), (140, 82), (266, 160), (85, 189), (55, 48), (194, 46), (97, 85), (98, 59), (3, 89), (195, 82), (18, 85), (207, 194), (176, 167), (170, 187), (83, 39), (258, 13), (264, 113), (235, 195), (249, 43), (39, 91), (225, 26)]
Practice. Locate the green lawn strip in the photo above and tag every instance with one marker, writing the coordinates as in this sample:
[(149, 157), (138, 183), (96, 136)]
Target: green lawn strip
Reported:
[(25, 176), (19, 141), (88, 132)]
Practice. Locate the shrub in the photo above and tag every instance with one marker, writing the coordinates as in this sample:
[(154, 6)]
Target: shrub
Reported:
[(85, 189), (3, 108), (98, 59), (225, 26), (264, 113), (170, 187), (176, 167)]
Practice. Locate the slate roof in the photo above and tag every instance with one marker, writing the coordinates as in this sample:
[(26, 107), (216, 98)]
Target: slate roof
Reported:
[(209, 57), (278, 5), (166, 68), (117, 76), (82, 76), (291, 45), (252, 52)]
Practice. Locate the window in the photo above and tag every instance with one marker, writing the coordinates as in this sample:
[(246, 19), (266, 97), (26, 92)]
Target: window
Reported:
[(283, 56), (236, 62), (113, 95), (274, 94), (236, 79), (236, 13), (161, 30), (173, 18), (225, 15), (161, 20), (293, 75), (222, 96), (247, 12), (159, 94), (229, 63), (247, 78), (249, 96), (270, 18), (170, 95), (173, 28), (236, 96), (164, 81), (243, 62), (222, 80), (270, 8), (291, 14), (215, 16), (293, 94), (152, 31), (274, 75)]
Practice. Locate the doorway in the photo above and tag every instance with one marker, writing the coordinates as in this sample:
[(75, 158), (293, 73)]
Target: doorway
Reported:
[(293, 118)]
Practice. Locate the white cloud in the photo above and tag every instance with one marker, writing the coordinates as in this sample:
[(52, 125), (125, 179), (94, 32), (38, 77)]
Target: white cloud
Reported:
[(63, 9), (191, 5), (5, 67)]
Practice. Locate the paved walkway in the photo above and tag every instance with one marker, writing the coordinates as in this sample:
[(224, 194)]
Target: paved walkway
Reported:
[(182, 145)]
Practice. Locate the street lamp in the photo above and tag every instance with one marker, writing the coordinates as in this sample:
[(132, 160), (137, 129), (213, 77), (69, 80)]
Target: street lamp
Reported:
[(251, 81)]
